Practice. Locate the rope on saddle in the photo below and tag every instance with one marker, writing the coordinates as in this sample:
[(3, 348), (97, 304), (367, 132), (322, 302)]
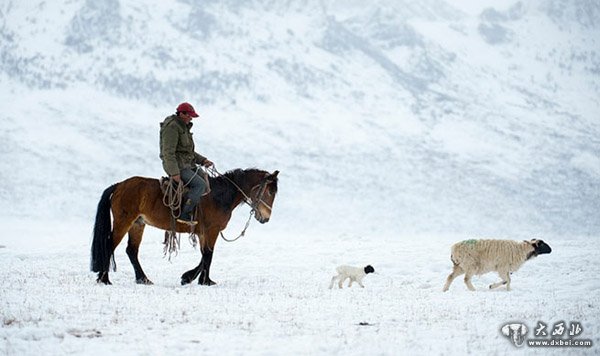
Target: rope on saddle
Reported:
[(173, 196), (172, 199)]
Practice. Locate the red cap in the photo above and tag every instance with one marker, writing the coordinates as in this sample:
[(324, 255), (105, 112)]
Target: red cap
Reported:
[(187, 108)]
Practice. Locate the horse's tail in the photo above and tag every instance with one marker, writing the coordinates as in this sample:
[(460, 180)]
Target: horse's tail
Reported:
[(102, 242)]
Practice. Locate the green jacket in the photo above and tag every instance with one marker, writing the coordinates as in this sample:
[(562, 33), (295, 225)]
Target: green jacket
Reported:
[(177, 146)]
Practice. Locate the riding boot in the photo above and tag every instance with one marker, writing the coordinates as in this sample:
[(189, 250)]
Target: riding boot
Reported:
[(186, 213)]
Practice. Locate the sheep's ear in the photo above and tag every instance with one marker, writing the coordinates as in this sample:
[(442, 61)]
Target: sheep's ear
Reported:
[(505, 330)]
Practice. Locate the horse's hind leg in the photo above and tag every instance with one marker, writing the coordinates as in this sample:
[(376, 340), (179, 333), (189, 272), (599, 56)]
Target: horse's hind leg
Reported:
[(120, 228), (133, 247)]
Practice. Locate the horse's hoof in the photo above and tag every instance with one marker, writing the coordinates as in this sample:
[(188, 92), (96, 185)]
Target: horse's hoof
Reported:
[(145, 281), (187, 278), (205, 282), (103, 278)]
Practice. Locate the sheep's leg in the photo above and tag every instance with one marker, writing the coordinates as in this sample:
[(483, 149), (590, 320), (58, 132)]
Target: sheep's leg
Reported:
[(468, 281), (360, 283), (457, 271), (507, 279), (497, 284), (350, 283), (332, 281), (502, 282), (341, 281)]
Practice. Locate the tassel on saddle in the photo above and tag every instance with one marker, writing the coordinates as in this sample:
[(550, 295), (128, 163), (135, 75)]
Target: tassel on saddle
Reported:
[(173, 194)]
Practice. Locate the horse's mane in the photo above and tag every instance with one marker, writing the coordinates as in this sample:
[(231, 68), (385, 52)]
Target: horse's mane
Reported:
[(224, 193)]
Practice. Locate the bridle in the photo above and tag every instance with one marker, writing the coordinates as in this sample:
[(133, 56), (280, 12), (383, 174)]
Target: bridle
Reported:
[(262, 188), (253, 203)]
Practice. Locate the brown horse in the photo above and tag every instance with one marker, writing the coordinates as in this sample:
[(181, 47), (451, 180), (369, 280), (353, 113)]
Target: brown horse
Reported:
[(138, 201)]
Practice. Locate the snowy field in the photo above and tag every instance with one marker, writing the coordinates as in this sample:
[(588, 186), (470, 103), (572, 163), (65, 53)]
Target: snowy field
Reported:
[(272, 297), (400, 127)]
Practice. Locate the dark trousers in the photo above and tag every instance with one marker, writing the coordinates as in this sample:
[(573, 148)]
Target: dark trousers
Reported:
[(194, 180)]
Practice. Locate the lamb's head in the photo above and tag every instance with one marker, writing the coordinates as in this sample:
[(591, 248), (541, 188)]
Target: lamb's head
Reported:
[(539, 248), (369, 269)]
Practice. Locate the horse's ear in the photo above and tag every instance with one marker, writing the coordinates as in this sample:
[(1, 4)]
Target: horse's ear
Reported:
[(274, 174)]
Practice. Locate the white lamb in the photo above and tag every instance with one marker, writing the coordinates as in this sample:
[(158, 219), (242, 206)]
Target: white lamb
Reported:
[(356, 274), (477, 257)]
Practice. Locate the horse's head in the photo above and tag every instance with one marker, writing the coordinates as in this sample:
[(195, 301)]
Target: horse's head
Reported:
[(253, 186), (262, 196)]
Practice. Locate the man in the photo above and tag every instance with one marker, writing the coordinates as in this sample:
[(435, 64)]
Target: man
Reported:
[(180, 160)]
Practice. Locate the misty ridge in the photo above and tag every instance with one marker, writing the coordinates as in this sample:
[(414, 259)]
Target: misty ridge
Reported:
[(382, 117)]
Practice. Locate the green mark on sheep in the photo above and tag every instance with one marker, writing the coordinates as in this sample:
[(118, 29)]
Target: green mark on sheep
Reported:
[(469, 242)]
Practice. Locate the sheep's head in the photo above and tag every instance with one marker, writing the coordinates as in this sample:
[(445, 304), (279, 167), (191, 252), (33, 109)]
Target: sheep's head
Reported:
[(539, 248), (369, 269)]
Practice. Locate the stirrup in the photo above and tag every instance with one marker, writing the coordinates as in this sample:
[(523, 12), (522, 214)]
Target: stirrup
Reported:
[(187, 222)]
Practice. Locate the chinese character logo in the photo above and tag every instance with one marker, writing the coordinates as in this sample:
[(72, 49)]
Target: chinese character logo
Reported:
[(515, 332), (540, 330), (576, 329), (559, 329)]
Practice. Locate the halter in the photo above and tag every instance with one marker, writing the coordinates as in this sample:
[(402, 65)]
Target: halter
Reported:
[(262, 188), (253, 203)]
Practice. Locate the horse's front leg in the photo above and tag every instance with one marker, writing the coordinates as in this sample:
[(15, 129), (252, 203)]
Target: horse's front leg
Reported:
[(189, 276), (202, 270), (205, 263)]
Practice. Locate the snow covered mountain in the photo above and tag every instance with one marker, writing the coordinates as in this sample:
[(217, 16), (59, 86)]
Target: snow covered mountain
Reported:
[(476, 117)]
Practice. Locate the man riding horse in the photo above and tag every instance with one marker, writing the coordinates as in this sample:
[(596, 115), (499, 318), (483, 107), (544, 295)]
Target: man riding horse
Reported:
[(179, 159), (139, 201)]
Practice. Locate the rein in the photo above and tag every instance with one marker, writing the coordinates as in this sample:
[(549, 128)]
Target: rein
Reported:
[(263, 186), (246, 199)]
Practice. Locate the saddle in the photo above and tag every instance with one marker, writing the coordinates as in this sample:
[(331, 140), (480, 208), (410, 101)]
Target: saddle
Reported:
[(174, 193), (165, 186)]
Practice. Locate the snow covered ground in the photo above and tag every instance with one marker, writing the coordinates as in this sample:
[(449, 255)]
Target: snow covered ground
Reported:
[(399, 128), (272, 297)]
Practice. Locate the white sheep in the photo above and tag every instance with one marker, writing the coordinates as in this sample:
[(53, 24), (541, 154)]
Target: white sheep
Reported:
[(355, 274), (477, 257)]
